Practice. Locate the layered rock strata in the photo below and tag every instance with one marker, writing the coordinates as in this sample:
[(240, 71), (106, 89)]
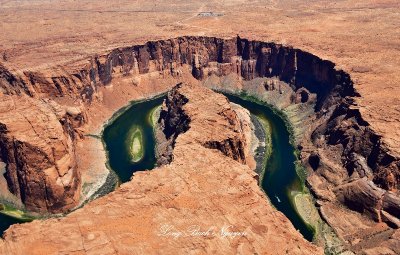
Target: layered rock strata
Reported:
[(37, 145), (353, 162), (182, 207), (174, 122), (248, 59)]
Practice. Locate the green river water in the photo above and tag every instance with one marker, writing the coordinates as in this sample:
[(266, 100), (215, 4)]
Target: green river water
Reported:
[(130, 144)]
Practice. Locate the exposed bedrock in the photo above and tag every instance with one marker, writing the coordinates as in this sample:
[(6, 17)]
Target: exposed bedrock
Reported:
[(249, 59), (37, 144), (346, 148), (175, 121), (184, 207), (363, 196)]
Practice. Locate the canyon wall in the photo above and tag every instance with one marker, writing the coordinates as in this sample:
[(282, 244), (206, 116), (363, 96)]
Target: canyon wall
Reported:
[(37, 143), (203, 202), (174, 122), (341, 130)]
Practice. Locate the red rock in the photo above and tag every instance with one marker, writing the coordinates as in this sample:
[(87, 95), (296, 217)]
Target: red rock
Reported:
[(39, 152), (157, 211)]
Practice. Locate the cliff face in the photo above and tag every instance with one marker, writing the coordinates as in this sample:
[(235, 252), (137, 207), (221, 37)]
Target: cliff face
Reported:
[(363, 153), (175, 121), (183, 207), (248, 59), (38, 148), (349, 153)]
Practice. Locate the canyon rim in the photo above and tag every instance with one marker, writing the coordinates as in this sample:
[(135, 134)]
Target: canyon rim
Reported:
[(69, 70)]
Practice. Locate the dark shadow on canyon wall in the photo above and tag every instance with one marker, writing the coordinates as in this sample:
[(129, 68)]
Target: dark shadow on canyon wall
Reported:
[(341, 126)]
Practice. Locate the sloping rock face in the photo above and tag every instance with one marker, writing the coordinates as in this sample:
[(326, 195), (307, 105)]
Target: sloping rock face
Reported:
[(38, 148), (207, 56), (10, 83), (174, 121), (179, 208), (349, 154)]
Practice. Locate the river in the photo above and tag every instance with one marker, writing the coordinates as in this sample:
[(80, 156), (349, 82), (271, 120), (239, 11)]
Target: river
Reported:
[(130, 144), (280, 182)]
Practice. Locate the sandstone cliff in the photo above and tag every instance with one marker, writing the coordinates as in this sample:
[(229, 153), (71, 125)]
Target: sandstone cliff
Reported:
[(249, 59), (350, 154), (184, 207), (174, 121), (38, 148)]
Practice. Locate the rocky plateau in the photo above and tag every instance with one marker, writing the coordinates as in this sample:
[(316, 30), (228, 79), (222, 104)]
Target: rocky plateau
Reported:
[(352, 160), (180, 207)]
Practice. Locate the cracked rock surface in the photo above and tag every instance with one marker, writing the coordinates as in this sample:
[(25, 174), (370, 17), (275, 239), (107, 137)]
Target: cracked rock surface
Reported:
[(187, 206)]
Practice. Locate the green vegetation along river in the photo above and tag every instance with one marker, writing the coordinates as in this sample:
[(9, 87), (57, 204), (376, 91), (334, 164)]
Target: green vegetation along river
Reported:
[(10, 216), (130, 143), (280, 180), (129, 139)]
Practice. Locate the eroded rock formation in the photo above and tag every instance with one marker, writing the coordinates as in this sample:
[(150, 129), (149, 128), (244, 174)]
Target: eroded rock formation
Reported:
[(346, 154), (38, 148), (249, 59), (175, 121), (182, 207)]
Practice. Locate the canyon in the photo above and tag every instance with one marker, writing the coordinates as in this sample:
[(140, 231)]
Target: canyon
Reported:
[(167, 208), (366, 175), (343, 116)]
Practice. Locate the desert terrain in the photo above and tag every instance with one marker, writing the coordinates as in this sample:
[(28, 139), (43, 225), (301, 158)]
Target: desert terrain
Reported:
[(360, 37), (47, 53)]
